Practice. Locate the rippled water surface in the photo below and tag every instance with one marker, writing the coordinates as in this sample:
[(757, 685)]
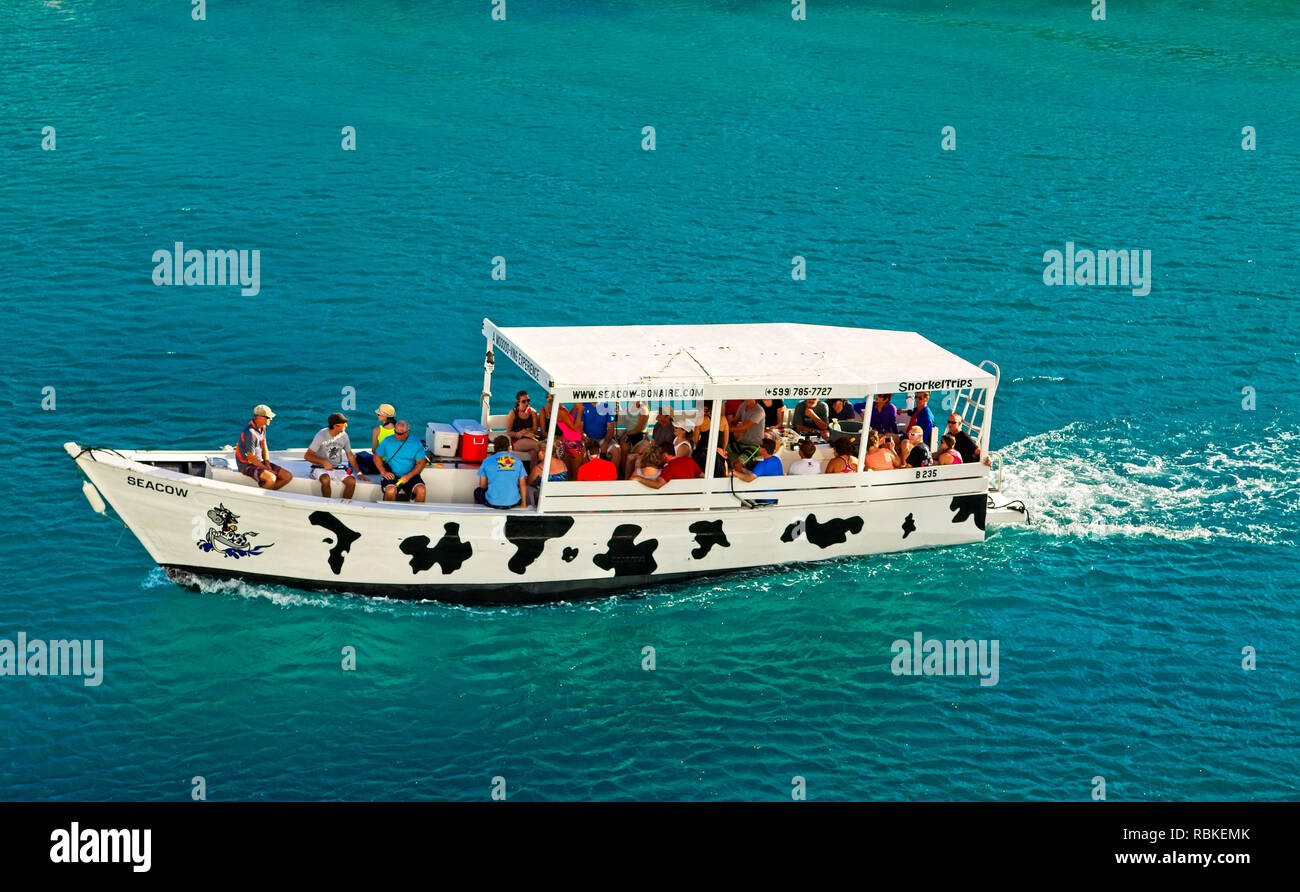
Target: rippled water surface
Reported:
[(1165, 515)]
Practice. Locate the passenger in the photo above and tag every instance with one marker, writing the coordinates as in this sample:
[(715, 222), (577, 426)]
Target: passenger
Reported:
[(914, 453), (683, 467), (812, 417), (502, 480), (922, 416), (661, 437), (805, 464), (664, 430), (252, 456), (768, 465), (879, 456), (772, 412), (387, 416), (556, 471), (564, 419), (566, 429), (747, 432), (596, 467), (522, 426), (632, 418), (884, 418), (844, 462), (400, 459), (598, 422), (842, 410), (682, 445), (965, 445), (330, 454), (650, 464), (947, 454), (702, 440)]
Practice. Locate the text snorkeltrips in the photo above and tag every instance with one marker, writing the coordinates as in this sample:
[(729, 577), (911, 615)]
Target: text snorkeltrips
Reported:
[(33, 656)]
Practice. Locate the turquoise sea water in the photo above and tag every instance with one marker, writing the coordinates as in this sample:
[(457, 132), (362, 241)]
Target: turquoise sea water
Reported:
[(1165, 514)]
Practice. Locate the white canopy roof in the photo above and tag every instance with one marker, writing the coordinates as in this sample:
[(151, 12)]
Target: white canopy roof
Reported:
[(730, 361)]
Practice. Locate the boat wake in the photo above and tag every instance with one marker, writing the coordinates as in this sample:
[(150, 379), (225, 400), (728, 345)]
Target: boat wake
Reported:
[(1101, 480)]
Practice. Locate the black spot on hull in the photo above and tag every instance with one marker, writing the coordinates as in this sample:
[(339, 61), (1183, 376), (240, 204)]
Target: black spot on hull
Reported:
[(708, 533), (624, 556), (909, 526), (964, 507), (450, 553), (793, 531), (568, 555), (529, 536), (343, 537), (833, 532)]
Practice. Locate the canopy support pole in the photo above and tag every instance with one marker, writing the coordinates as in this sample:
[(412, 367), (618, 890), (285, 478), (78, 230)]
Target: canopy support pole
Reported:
[(544, 456), (486, 397), (711, 454)]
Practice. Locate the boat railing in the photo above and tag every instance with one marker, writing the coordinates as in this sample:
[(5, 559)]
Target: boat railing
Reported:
[(793, 491), (995, 472), (974, 405)]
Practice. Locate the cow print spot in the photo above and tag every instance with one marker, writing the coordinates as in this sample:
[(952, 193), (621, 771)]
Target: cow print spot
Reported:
[(624, 556), (833, 532), (964, 507), (708, 533), (343, 537), (569, 554), (529, 536), (909, 526), (450, 553)]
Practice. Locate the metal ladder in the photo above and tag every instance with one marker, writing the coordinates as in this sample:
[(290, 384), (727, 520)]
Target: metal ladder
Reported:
[(974, 411)]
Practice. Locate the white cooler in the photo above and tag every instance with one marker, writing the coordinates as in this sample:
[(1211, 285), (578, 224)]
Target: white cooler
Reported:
[(441, 439)]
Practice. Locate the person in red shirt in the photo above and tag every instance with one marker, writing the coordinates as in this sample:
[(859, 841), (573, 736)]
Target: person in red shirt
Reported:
[(681, 468), (596, 467)]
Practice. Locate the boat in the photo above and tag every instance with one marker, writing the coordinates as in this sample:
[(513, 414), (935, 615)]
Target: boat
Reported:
[(199, 519)]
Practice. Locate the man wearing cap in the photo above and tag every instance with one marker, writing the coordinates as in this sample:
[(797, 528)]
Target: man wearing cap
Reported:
[(252, 456), (400, 460), (330, 453)]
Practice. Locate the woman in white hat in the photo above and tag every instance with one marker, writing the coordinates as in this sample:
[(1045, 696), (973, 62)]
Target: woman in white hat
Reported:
[(387, 416)]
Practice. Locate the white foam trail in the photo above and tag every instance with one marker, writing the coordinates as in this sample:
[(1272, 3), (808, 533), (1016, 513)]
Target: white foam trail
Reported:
[(1098, 481)]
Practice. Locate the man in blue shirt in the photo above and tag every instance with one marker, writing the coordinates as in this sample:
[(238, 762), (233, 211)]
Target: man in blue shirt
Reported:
[(501, 478), (597, 419), (768, 465), (923, 417), (400, 460)]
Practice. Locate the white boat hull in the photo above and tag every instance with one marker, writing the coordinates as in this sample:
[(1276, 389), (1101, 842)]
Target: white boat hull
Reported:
[(196, 526)]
